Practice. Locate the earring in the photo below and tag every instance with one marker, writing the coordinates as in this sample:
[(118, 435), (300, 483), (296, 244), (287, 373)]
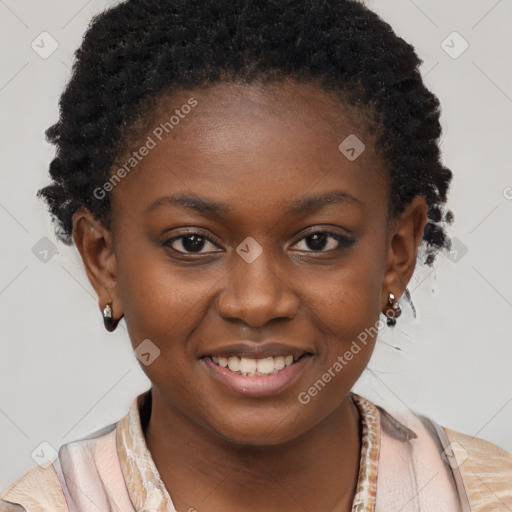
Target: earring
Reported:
[(393, 310), (110, 323)]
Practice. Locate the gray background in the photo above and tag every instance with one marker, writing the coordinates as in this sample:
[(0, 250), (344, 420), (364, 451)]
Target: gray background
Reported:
[(63, 376)]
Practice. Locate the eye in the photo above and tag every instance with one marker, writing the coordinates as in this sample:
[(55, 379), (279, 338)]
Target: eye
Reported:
[(319, 240), (190, 242)]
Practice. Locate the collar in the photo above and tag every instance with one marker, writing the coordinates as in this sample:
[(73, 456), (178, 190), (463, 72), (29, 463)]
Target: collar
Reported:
[(148, 492), (145, 487)]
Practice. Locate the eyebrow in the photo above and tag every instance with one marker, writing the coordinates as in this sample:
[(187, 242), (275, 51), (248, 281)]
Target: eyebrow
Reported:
[(307, 204), (298, 206)]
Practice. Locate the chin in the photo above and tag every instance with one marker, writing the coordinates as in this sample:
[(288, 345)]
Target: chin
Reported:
[(261, 430)]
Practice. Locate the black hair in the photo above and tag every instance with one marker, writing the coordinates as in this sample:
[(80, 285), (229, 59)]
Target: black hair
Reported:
[(138, 50)]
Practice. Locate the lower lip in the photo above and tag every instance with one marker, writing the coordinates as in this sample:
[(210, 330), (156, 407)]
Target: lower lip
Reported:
[(259, 385)]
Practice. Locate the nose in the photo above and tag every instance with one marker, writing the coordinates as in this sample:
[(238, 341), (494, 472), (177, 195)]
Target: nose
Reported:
[(255, 294)]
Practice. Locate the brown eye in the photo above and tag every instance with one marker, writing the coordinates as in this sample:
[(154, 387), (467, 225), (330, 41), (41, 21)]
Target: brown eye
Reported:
[(324, 241), (189, 243)]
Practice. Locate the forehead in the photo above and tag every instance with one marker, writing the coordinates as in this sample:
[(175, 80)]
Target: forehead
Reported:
[(239, 141), (286, 100)]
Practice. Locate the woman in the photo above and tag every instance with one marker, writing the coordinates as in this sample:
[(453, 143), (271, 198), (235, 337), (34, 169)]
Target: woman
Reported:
[(249, 185)]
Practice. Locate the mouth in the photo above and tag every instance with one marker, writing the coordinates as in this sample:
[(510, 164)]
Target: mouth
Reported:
[(257, 372), (256, 367)]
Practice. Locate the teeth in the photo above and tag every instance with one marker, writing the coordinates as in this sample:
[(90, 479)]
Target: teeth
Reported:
[(266, 365), (248, 365), (221, 361), (279, 362), (254, 367), (234, 364)]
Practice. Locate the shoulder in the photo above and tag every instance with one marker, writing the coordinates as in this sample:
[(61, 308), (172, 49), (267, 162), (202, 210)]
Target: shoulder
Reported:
[(43, 487), (477, 452), (478, 471), (481, 469), (38, 488), (5, 506), (486, 469)]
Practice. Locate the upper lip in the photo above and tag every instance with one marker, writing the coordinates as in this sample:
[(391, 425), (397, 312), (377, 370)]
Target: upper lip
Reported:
[(257, 350)]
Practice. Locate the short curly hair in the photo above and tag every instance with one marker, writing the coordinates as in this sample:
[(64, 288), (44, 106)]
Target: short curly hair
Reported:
[(138, 50)]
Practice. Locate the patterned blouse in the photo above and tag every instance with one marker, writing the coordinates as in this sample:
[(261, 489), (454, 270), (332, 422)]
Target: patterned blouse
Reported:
[(407, 464)]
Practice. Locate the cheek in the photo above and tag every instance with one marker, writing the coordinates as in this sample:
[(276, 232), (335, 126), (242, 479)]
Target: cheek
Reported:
[(345, 307), (346, 312), (159, 303), (345, 301)]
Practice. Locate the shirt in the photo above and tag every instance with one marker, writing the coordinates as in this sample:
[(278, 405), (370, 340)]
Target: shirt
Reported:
[(407, 463)]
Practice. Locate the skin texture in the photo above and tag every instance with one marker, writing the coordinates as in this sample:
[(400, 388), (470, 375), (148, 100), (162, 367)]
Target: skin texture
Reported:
[(257, 148)]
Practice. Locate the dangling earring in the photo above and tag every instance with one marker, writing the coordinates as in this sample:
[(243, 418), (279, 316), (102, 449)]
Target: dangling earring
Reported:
[(393, 310), (110, 323)]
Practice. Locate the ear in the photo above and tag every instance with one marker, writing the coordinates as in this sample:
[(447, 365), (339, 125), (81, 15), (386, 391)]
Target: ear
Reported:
[(404, 238), (95, 244)]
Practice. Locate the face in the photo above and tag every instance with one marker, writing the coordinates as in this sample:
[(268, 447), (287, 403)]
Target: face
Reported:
[(244, 237)]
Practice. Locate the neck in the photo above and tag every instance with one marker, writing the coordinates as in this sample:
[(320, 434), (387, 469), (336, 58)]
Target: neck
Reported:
[(201, 471)]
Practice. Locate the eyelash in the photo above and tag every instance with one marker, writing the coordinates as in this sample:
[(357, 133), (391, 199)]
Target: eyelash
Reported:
[(343, 241)]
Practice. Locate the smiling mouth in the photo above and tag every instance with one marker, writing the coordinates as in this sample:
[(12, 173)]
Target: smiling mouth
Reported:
[(255, 367)]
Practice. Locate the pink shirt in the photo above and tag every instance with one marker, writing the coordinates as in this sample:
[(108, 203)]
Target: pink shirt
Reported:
[(412, 464)]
